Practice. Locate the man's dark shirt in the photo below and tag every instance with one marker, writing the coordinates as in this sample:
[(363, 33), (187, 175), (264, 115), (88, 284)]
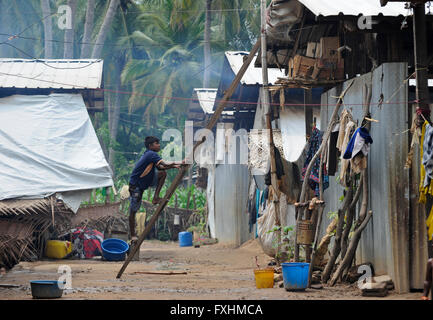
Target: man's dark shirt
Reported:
[(148, 161)]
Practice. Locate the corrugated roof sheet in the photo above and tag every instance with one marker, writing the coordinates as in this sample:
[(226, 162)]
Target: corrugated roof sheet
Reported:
[(412, 82), (253, 75), (51, 73), (206, 98), (354, 7)]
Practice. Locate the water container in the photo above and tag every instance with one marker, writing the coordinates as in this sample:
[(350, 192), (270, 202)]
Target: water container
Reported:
[(264, 278), (56, 249), (46, 289), (114, 249), (185, 239), (295, 275)]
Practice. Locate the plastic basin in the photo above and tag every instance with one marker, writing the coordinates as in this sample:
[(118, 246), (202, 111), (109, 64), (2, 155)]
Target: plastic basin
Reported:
[(46, 289), (295, 275), (264, 278), (114, 249)]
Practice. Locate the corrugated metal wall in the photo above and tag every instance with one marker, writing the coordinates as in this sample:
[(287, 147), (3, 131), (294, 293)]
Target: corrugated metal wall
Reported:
[(385, 242), (231, 196)]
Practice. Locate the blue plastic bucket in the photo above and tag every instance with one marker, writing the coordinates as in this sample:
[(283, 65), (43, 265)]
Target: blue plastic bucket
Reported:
[(114, 249), (185, 239), (295, 275)]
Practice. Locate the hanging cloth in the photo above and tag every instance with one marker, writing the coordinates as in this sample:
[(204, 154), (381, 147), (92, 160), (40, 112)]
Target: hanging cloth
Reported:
[(332, 154), (360, 142), (424, 190), (427, 158), (344, 162), (313, 179), (345, 119)]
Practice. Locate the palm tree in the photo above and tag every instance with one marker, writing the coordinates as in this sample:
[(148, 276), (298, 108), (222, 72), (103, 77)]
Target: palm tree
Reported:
[(68, 52), (88, 28), (48, 28), (103, 32), (169, 61), (207, 51)]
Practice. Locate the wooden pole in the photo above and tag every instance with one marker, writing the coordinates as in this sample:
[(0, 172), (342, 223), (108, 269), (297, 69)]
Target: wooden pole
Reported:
[(268, 111), (308, 110), (421, 67), (302, 198), (178, 179)]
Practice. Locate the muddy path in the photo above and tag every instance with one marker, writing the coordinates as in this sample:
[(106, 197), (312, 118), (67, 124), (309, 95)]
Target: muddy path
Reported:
[(214, 272)]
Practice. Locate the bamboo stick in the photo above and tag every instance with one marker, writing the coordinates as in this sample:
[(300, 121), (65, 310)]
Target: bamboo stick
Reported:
[(310, 165), (178, 179)]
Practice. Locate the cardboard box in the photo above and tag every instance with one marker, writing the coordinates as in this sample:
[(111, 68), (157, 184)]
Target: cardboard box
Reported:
[(328, 69), (313, 50), (301, 67), (328, 48)]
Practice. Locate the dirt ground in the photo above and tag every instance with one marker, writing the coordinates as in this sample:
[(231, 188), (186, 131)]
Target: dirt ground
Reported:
[(214, 272)]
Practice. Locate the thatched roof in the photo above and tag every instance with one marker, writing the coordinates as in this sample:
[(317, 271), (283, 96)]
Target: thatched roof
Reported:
[(24, 207)]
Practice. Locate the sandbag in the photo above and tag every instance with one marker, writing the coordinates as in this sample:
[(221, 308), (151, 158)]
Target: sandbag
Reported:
[(264, 224)]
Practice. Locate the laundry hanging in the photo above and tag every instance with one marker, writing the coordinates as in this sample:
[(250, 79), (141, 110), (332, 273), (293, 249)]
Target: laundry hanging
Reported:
[(357, 149), (350, 126), (332, 151), (427, 158), (313, 179), (345, 119), (428, 189), (360, 142)]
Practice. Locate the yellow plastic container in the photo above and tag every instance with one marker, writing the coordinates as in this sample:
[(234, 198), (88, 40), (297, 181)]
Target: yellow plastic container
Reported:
[(56, 249), (264, 278)]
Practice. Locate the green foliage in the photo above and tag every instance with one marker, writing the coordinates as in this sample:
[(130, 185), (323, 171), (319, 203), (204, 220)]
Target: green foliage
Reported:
[(286, 246), (155, 47)]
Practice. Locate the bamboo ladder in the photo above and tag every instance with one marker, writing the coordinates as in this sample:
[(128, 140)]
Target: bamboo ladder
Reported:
[(212, 122)]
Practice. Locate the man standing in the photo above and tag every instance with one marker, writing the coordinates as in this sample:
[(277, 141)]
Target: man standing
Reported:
[(149, 171)]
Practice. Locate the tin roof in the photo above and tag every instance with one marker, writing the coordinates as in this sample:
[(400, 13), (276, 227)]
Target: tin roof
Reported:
[(253, 75), (354, 7), (51, 73), (206, 98)]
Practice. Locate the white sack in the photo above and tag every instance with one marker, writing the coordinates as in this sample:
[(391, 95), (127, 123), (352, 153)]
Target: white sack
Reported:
[(264, 224)]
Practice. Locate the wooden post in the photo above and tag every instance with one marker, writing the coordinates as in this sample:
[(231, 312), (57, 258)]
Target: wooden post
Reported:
[(107, 195), (268, 112), (308, 109), (325, 138), (178, 179), (421, 69), (176, 227)]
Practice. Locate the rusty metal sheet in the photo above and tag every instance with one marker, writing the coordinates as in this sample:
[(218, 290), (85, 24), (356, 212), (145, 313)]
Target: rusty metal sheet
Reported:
[(385, 241)]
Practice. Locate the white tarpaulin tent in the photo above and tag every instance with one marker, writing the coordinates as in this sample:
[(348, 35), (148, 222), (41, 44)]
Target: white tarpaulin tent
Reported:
[(48, 145)]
